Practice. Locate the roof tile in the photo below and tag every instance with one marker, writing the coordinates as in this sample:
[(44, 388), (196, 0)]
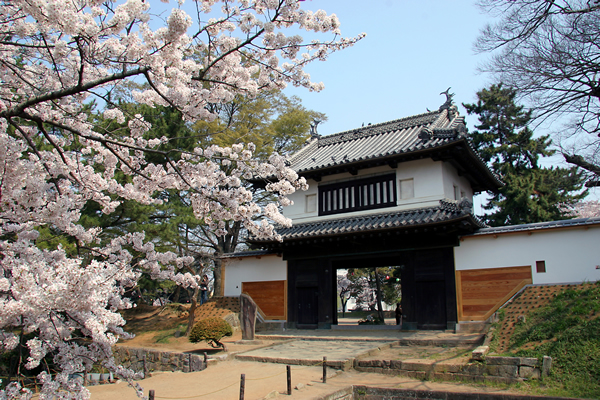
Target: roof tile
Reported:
[(447, 211)]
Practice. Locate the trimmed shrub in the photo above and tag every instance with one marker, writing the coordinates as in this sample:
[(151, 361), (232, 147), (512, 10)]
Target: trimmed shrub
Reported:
[(211, 330)]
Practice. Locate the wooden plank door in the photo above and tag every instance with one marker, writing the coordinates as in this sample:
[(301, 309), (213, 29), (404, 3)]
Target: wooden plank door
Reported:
[(431, 305), (308, 307)]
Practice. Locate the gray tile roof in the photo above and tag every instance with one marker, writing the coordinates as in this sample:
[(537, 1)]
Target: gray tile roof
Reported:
[(418, 132), (567, 223), (447, 211), (442, 131), (248, 253)]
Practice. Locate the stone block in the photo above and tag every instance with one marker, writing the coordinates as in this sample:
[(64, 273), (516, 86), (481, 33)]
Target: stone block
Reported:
[(546, 365), (479, 353), (506, 371), (447, 368), (414, 374), (493, 360), (416, 365), (248, 317), (529, 362), (529, 372), (396, 364), (371, 363), (473, 369)]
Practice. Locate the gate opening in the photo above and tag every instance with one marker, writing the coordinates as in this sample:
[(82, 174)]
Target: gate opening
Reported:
[(369, 296)]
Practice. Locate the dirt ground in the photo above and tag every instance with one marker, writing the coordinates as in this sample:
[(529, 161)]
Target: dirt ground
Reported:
[(157, 328), (162, 328), (264, 380)]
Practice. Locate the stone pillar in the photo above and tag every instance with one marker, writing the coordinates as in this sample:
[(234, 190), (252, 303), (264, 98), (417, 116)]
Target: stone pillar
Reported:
[(546, 365), (247, 316)]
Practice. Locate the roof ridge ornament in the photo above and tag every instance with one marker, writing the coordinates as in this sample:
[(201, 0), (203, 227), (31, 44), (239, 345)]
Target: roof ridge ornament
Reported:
[(449, 104), (466, 205), (313, 128), (425, 134)]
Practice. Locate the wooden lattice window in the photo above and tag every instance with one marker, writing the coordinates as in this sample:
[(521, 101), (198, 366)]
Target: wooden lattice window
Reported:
[(359, 194)]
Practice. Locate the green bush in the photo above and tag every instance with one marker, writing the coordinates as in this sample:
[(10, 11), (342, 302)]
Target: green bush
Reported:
[(371, 320), (211, 330)]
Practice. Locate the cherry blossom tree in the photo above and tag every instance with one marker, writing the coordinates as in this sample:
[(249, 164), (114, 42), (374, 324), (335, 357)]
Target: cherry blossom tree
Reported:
[(583, 209), (59, 59)]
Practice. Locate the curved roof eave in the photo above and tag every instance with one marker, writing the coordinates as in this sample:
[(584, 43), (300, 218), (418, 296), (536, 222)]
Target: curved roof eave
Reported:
[(493, 183)]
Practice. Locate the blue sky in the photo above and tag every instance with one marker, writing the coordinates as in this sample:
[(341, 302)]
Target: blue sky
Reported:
[(413, 51)]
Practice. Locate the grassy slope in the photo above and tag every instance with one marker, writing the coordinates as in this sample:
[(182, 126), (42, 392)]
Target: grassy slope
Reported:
[(568, 330)]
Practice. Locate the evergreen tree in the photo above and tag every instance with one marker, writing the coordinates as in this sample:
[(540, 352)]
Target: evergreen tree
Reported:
[(272, 121), (504, 140)]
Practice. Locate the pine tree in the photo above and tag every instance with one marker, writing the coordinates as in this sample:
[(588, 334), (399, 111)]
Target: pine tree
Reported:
[(504, 140)]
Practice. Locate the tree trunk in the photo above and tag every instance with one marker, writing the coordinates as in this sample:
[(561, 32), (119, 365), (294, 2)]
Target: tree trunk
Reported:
[(177, 294), (192, 315), (217, 275), (344, 301), (225, 244), (140, 297), (379, 306)]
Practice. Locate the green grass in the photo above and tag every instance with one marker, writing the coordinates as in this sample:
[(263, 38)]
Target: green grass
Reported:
[(568, 330), (166, 335)]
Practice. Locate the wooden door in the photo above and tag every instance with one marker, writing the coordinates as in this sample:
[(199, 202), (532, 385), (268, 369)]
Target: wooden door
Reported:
[(431, 304), (308, 307)]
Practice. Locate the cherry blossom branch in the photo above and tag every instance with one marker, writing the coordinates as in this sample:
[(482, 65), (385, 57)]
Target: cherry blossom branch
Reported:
[(70, 91)]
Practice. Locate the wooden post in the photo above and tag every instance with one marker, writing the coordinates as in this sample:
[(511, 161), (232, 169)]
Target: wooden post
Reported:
[(289, 379), (242, 386), (324, 369), (151, 395)]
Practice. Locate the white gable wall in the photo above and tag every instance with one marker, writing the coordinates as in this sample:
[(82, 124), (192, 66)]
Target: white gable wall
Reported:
[(428, 180), (433, 181), (570, 254), (252, 269), (452, 179)]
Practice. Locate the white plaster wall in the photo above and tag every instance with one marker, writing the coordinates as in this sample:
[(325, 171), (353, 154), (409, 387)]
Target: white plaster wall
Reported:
[(252, 269), (428, 180), (298, 209), (571, 254), (451, 178), (429, 188)]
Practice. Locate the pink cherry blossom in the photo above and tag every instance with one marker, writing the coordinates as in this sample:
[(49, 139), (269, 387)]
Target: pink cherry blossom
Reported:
[(59, 56)]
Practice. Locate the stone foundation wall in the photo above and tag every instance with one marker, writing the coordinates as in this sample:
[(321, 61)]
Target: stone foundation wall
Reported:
[(147, 360), (501, 369), (371, 393)]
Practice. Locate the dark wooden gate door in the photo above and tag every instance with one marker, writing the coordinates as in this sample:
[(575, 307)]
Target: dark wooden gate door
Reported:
[(431, 304), (308, 307)]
